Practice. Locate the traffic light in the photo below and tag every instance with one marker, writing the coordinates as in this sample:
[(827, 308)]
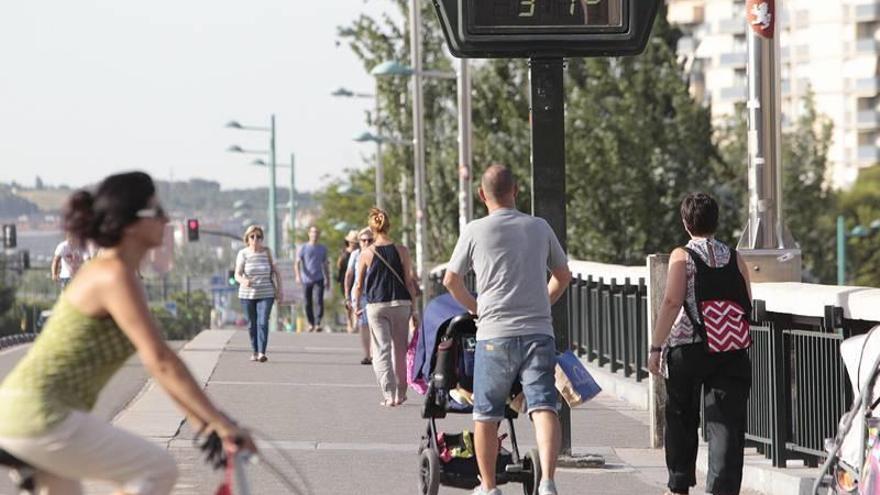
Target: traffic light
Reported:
[(230, 278), (25, 259), (192, 229), (10, 240)]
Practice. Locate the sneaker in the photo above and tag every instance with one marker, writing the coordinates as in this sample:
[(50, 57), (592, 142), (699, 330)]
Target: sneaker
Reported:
[(262, 358), (480, 491), (254, 356), (547, 487)]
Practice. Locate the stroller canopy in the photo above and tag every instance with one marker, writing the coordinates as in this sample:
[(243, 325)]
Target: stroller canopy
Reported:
[(438, 312)]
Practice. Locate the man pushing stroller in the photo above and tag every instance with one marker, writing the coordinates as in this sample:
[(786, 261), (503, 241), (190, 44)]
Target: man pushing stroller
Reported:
[(510, 253)]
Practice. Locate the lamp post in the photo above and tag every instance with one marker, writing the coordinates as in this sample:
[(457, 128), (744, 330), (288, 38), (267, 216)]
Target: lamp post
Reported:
[(272, 218), (842, 234), (380, 171), (394, 68), (292, 204)]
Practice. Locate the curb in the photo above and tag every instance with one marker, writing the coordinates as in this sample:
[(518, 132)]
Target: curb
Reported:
[(153, 414)]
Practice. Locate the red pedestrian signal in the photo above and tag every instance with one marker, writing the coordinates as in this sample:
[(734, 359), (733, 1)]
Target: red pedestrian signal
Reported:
[(192, 229)]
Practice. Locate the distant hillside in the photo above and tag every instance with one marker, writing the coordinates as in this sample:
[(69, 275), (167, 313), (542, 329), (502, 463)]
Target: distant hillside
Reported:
[(13, 205), (196, 197)]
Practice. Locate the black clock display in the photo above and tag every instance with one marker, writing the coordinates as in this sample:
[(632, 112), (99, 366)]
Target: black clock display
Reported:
[(545, 15)]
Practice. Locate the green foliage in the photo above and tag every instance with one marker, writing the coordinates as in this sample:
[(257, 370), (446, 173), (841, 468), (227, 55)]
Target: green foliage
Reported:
[(193, 315), (810, 206), (861, 206)]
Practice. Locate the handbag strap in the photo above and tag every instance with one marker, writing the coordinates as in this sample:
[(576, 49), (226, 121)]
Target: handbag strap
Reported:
[(393, 271)]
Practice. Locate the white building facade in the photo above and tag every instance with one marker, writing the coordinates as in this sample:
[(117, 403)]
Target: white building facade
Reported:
[(828, 47)]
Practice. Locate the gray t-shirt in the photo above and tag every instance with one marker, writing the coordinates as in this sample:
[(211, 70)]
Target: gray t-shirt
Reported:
[(510, 253)]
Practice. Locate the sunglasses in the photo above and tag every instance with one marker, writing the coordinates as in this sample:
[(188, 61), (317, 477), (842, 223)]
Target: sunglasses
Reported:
[(255, 237), (155, 212), (366, 240)]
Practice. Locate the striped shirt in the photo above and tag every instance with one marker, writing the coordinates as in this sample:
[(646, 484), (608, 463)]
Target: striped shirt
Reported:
[(257, 268), (683, 331)]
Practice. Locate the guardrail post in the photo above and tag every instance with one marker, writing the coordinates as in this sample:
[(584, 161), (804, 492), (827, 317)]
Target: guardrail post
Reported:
[(628, 333), (779, 407)]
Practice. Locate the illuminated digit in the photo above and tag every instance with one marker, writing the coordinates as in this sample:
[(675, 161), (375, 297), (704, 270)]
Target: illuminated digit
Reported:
[(531, 6)]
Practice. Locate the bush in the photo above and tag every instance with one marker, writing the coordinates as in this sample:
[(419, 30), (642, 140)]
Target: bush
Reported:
[(193, 315)]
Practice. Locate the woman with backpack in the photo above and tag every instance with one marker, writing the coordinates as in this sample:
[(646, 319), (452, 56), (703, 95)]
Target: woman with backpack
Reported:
[(384, 276), (702, 336)]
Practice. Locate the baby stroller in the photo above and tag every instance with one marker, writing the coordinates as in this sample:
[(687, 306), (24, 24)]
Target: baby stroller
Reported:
[(853, 463), (447, 351)]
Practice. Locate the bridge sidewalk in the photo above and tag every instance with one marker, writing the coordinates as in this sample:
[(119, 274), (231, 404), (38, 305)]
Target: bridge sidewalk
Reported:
[(316, 403)]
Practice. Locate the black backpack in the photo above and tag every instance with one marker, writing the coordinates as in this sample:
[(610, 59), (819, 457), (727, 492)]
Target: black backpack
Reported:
[(723, 303)]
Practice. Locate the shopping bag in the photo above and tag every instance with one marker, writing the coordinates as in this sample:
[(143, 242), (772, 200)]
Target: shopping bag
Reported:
[(418, 384), (573, 380)]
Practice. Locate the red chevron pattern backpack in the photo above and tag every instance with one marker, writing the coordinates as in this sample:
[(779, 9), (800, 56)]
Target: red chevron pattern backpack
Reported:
[(723, 303)]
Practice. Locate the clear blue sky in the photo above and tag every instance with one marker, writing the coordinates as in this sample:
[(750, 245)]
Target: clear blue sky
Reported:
[(91, 88)]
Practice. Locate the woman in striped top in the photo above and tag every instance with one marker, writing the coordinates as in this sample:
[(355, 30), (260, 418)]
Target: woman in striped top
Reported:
[(259, 282)]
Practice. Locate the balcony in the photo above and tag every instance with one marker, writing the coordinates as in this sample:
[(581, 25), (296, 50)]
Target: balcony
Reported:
[(868, 155), (734, 94), (867, 13), (734, 59), (735, 25), (867, 46), (868, 119), (868, 86)]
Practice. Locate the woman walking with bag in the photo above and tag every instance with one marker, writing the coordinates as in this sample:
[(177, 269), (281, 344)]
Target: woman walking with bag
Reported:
[(255, 271), (384, 276), (703, 332)]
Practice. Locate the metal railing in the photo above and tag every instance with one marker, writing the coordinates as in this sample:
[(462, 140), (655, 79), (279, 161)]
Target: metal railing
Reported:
[(608, 323), (800, 388)]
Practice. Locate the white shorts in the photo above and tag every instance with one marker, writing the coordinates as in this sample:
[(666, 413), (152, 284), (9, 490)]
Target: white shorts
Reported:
[(85, 447)]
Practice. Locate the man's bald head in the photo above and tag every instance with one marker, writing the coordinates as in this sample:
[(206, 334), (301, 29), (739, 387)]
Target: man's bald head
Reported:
[(498, 184)]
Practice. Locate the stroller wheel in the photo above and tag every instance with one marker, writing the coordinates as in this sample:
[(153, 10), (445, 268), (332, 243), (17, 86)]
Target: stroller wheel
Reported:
[(532, 464), (429, 472)]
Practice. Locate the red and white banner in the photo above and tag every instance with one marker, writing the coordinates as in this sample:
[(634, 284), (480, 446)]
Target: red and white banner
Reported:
[(761, 16)]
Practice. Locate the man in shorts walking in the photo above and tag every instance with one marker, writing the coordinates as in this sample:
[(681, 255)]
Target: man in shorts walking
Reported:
[(511, 253)]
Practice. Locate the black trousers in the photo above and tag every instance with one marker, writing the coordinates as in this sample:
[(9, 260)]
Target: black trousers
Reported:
[(317, 301), (723, 380)]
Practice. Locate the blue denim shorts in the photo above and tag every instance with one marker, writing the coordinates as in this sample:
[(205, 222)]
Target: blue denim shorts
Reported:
[(499, 362)]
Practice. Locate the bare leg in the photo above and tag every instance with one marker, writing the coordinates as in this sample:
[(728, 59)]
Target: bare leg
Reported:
[(548, 434), (486, 444)]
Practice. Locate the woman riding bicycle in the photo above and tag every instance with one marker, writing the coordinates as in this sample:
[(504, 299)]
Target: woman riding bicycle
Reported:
[(99, 320)]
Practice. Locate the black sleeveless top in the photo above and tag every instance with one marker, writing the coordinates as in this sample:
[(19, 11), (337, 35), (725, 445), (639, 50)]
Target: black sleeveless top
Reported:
[(381, 284)]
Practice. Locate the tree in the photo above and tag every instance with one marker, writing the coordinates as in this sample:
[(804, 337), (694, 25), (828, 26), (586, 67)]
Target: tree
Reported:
[(861, 206)]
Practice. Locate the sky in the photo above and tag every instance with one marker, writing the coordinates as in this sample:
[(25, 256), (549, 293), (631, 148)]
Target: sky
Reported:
[(92, 88)]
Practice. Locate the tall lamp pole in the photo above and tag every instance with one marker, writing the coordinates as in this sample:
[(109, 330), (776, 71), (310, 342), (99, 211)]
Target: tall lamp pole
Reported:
[(465, 191), (380, 169), (415, 44), (292, 205)]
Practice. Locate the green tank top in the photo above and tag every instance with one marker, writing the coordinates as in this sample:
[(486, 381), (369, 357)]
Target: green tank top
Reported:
[(65, 370)]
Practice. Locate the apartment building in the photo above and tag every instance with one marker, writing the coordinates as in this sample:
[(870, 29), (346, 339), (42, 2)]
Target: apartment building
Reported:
[(830, 48)]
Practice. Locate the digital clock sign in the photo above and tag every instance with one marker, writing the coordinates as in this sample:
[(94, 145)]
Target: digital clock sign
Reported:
[(546, 28), (579, 16)]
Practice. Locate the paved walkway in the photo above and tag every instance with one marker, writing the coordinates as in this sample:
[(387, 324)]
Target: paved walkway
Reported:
[(314, 402)]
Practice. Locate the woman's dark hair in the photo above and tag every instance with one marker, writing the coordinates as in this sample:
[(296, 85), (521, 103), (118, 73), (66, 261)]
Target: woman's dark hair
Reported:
[(103, 215), (700, 214)]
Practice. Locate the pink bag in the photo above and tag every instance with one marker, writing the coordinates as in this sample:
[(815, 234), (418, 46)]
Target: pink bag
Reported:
[(417, 384)]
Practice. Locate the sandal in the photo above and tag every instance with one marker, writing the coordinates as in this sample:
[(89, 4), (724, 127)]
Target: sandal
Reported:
[(388, 403), (400, 401)]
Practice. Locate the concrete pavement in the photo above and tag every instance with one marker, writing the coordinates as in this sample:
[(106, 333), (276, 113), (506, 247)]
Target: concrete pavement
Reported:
[(315, 404)]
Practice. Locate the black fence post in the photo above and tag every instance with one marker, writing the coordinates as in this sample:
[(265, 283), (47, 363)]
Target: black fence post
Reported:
[(779, 409)]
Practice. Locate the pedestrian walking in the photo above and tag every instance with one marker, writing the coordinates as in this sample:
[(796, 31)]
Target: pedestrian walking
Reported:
[(383, 276), (350, 244), (313, 272), (258, 284), (70, 254), (365, 239), (702, 334), (96, 325), (511, 253)]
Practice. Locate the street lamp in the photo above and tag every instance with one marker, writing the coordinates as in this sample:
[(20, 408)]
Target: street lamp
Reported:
[(842, 235), (292, 196), (393, 68), (380, 170), (272, 218)]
